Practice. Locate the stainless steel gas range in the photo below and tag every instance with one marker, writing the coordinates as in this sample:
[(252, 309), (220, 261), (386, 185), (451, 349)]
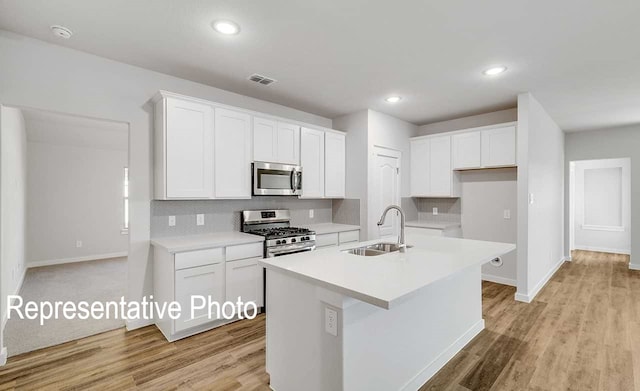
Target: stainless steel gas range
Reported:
[(280, 237)]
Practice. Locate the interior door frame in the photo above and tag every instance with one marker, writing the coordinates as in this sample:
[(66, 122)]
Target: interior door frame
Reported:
[(379, 150)]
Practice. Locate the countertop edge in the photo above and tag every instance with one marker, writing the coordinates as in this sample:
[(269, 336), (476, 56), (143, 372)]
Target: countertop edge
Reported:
[(378, 302), (212, 244)]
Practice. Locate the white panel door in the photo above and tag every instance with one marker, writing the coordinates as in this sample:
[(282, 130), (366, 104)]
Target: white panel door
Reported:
[(420, 167), (499, 147), (466, 150), (232, 142), (334, 165), (440, 164), (245, 281), (198, 281), (189, 149), (312, 162), (288, 144), (264, 139), (386, 192)]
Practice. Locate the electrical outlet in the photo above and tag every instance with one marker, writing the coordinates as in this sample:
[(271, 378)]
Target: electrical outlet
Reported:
[(172, 221), (331, 321), (200, 219), (311, 213), (435, 211), (78, 243), (507, 214), (531, 199)]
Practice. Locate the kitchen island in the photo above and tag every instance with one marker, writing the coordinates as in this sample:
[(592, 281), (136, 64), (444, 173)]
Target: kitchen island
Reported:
[(338, 321)]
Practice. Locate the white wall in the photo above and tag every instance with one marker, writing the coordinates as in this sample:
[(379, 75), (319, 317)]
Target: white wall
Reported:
[(622, 142), (356, 125), (75, 193), (540, 179), (40, 75), (602, 198), (392, 133), (473, 121), (486, 194), (13, 187)]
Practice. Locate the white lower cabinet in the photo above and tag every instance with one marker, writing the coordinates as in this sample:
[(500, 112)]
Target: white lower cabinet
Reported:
[(413, 234), (245, 281), (221, 274), (201, 281), (337, 238)]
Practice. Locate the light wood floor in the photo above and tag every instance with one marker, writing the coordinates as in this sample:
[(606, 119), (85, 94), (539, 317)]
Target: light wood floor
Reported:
[(582, 332)]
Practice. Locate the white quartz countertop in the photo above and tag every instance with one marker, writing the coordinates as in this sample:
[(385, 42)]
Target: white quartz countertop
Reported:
[(432, 224), (329, 228), (384, 280), (200, 242)]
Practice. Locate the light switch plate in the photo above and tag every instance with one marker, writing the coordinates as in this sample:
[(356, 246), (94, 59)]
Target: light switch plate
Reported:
[(78, 243), (200, 219), (435, 211), (331, 321), (172, 221), (311, 213), (507, 214)]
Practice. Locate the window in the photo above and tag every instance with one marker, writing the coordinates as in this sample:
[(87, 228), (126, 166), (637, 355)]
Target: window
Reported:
[(125, 229)]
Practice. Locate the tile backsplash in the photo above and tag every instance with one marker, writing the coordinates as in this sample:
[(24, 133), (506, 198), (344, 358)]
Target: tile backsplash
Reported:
[(224, 215), (346, 211), (449, 209)]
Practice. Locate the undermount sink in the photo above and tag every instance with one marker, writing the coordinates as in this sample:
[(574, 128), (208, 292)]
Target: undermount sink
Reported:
[(374, 249)]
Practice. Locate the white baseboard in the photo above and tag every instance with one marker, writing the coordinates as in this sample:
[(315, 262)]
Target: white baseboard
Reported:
[(61, 261), (604, 250), (444, 357), (499, 280), (634, 266), (528, 297), (3, 356), (5, 315), (138, 324)]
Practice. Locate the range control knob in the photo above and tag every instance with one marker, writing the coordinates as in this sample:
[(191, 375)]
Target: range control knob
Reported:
[(293, 240), (278, 241), (307, 238), (302, 239)]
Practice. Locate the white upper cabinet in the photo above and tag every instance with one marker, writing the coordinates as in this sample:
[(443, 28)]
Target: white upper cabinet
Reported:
[(264, 139), (288, 151), (275, 142), (466, 150), (184, 149), (232, 140), (312, 162), (499, 147), (420, 167), (431, 173), (440, 167), (335, 169)]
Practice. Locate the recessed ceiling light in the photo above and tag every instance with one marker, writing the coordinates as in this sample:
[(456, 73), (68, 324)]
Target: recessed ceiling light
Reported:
[(226, 27), (394, 99), (494, 70), (61, 31)]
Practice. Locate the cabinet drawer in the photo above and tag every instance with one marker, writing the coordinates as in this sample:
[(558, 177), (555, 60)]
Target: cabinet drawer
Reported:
[(349, 236), (244, 251), (198, 258), (326, 240)]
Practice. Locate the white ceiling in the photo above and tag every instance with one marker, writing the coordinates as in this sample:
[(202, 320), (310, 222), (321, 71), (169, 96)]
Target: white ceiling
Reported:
[(62, 129), (579, 58)]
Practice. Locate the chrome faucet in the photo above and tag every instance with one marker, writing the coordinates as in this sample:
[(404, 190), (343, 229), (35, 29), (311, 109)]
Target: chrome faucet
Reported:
[(401, 242)]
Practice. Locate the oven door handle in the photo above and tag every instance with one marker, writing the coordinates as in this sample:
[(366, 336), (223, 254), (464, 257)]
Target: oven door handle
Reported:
[(293, 248)]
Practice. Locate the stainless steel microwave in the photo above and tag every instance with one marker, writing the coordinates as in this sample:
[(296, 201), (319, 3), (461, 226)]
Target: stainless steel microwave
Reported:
[(276, 179)]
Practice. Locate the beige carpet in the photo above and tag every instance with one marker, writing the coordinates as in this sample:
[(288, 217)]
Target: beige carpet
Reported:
[(103, 280)]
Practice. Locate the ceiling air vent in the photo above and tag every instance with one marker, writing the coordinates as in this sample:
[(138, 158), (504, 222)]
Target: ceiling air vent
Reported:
[(262, 79)]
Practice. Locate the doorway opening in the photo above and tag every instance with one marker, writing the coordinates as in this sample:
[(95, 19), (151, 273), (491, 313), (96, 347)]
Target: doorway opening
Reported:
[(600, 206), (67, 221)]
